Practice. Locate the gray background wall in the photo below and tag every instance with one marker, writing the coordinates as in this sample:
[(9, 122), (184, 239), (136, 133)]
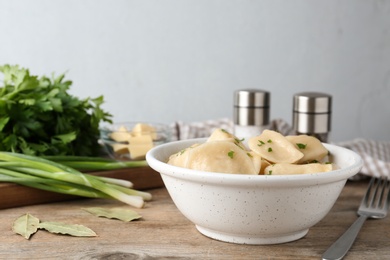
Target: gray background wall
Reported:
[(170, 60)]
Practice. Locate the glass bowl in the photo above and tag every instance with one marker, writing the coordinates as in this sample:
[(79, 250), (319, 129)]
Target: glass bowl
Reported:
[(132, 140)]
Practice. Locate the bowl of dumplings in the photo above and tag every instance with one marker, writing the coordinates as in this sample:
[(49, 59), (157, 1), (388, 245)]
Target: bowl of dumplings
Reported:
[(269, 189)]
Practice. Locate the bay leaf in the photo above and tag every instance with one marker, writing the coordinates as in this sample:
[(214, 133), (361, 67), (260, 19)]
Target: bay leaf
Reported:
[(26, 225), (67, 229), (126, 215)]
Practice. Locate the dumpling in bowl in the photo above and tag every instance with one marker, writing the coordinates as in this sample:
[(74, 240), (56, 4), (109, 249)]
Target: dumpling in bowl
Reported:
[(313, 150), (217, 156), (180, 159), (220, 134), (288, 169), (274, 147)]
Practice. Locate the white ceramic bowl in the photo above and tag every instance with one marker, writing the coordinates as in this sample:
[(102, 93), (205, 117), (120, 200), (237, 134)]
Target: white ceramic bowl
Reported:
[(253, 209)]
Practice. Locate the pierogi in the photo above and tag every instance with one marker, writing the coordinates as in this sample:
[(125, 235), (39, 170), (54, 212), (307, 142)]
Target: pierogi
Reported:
[(270, 153)]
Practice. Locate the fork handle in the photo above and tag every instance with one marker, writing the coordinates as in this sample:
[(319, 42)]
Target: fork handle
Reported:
[(340, 248)]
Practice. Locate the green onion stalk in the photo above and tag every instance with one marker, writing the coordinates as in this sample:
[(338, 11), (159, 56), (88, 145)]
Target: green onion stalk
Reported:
[(53, 176), (86, 163)]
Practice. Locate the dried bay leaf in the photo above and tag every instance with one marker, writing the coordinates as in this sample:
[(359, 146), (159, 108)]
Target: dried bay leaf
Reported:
[(26, 225), (67, 229), (126, 215)]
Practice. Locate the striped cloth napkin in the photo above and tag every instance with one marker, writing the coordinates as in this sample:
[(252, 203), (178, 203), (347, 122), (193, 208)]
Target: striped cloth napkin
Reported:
[(375, 154), (182, 130)]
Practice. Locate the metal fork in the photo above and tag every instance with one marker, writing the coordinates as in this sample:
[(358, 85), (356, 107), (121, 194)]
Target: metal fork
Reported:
[(375, 204)]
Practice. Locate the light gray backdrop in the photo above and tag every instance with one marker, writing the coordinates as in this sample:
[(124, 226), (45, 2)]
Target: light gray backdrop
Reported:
[(181, 60)]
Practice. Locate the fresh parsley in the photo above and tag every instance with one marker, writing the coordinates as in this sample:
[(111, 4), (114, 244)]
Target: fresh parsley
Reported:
[(39, 117)]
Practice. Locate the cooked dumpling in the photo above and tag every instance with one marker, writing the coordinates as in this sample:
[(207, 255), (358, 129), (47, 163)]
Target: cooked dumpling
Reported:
[(216, 156), (274, 147), (257, 161), (270, 153), (287, 168), (221, 156), (223, 135), (313, 150), (180, 159), (264, 164)]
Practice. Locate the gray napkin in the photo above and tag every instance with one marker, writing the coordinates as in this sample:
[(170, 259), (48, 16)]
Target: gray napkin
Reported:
[(375, 155)]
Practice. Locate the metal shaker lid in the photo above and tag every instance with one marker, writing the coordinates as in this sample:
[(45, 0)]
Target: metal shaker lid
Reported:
[(312, 102), (251, 107), (312, 112), (251, 98)]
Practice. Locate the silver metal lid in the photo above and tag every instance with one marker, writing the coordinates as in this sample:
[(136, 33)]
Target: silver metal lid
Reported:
[(312, 112), (251, 107), (312, 102), (251, 98)]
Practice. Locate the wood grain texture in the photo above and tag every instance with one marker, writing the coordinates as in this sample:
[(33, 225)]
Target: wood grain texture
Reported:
[(13, 195), (164, 233)]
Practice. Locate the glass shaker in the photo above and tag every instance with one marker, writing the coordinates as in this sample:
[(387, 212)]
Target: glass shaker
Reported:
[(312, 114), (251, 112)]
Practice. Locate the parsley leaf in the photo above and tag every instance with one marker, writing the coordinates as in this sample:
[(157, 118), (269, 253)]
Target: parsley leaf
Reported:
[(301, 146)]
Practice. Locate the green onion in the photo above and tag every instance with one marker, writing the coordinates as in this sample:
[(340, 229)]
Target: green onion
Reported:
[(53, 186), (45, 174), (120, 182), (85, 163)]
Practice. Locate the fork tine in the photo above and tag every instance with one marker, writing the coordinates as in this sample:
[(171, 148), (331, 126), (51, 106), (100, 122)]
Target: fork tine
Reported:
[(377, 194), (387, 187), (381, 201), (368, 198), (377, 197)]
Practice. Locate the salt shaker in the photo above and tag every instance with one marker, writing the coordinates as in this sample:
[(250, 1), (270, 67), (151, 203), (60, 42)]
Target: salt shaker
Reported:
[(312, 114), (251, 112)]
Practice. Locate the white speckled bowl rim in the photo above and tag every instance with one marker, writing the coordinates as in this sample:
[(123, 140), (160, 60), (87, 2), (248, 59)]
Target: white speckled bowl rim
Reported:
[(158, 156)]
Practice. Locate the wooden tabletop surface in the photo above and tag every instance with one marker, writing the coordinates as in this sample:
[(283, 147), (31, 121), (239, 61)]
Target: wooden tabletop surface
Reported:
[(164, 233)]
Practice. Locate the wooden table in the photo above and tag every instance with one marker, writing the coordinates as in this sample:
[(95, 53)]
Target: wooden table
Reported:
[(164, 233)]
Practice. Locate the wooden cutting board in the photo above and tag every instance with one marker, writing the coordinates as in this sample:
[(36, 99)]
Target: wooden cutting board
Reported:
[(14, 195)]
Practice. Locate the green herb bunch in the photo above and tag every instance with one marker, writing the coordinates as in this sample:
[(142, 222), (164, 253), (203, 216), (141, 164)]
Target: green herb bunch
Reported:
[(39, 117)]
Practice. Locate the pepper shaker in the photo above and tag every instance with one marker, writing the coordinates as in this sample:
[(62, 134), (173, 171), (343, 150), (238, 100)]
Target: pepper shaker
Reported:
[(312, 114), (251, 112)]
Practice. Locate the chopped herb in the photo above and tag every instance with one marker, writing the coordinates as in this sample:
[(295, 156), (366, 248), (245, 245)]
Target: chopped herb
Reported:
[(301, 146), (270, 173), (269, 141), (269, 149), (238, 142), (223, 130), (231, 154), (249, 155), (314, 161), (260, 143), (328, 163)]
